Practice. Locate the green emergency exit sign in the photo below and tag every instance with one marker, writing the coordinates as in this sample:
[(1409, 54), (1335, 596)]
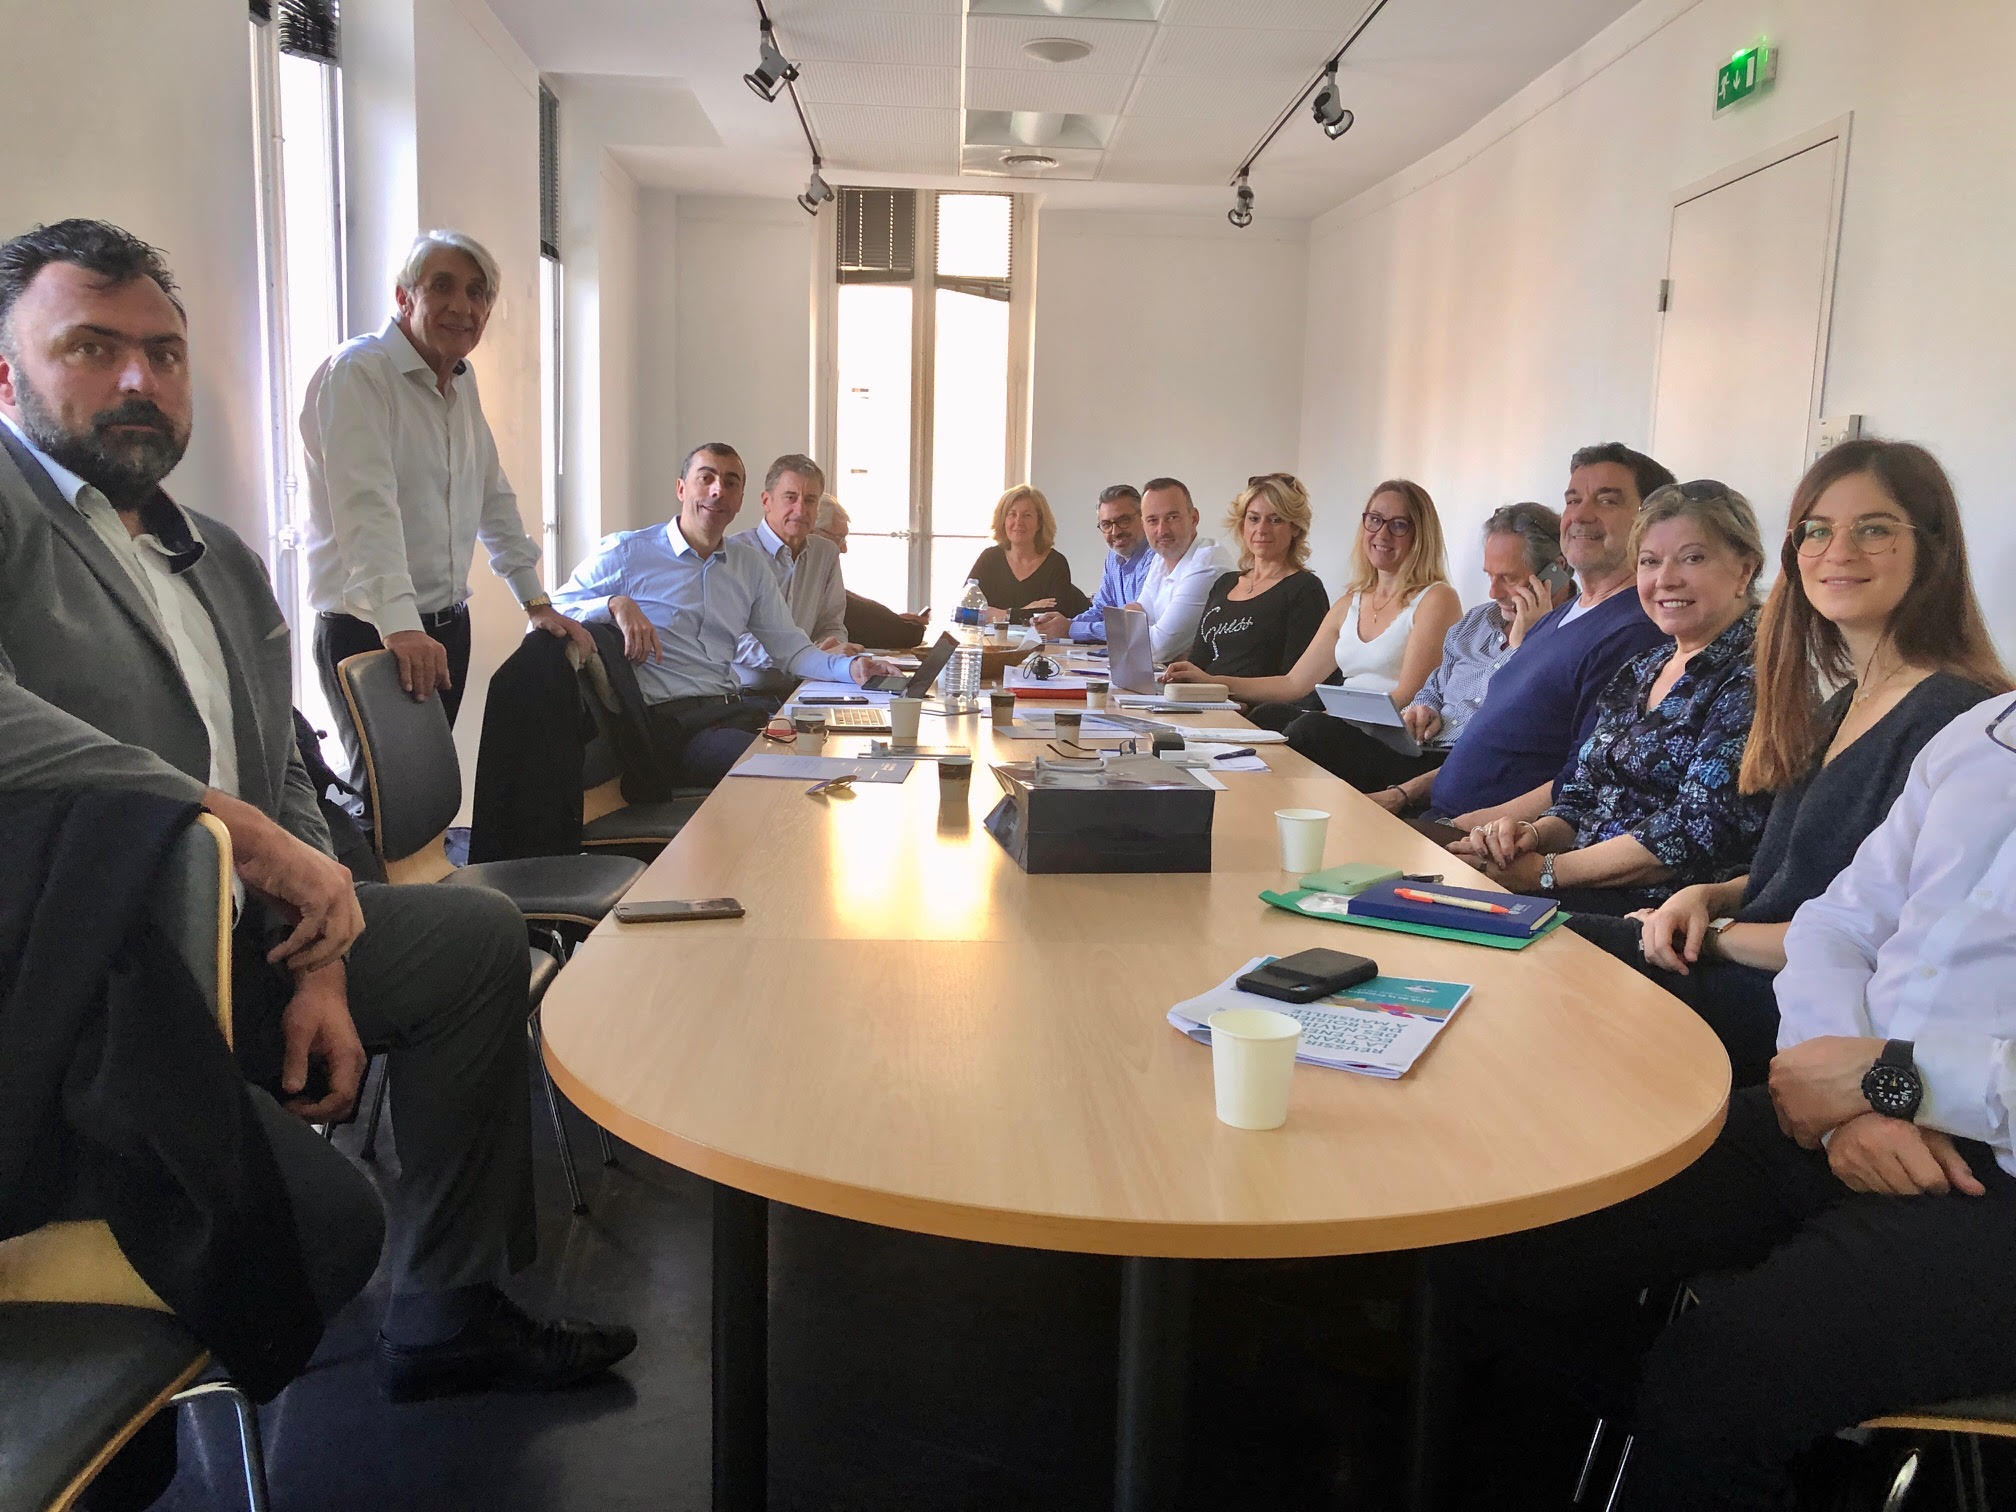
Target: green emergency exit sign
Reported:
[(1746, 73)]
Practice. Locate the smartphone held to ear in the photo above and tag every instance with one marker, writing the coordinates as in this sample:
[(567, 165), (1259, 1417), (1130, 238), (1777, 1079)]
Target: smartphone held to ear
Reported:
[(676, 910), (1308, 975)]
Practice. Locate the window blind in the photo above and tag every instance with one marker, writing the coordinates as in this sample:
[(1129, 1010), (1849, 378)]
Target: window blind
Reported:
[(878, 236), (549, 173), (308, 28)]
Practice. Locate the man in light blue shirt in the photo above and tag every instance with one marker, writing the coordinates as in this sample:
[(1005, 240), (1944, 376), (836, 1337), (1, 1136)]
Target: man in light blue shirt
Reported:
[(1127, 562), (683, 602)]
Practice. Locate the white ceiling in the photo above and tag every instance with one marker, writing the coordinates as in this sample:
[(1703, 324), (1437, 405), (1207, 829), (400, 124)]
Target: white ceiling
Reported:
[(1159, 114)]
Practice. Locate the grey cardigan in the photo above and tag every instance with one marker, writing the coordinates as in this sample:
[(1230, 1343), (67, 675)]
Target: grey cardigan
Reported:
[(90, 693)]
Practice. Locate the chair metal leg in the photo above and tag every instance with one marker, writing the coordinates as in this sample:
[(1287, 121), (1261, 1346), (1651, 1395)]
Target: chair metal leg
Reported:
[(368, 1150), (608, 1145), (1589, 1463), (1978, 1472), (1900, 1483), (559, 1122), (252, 1454), (1617, 1480)]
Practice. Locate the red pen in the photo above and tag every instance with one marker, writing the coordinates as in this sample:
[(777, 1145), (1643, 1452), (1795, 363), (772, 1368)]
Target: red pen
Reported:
[(1415, 895)]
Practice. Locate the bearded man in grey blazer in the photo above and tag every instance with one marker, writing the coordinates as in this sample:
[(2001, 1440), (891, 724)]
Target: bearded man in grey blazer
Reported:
[(141, 647)]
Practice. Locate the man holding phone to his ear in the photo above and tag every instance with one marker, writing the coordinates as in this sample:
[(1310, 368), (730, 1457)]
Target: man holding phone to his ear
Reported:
[(1529, 581)]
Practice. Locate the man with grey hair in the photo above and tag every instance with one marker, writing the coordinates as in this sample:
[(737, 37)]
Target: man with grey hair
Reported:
[(807, 568), (404, 480), (1528, 581)]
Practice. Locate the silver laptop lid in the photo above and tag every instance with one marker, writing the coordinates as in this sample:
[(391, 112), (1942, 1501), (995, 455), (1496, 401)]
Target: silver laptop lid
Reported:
[(1130, 662)]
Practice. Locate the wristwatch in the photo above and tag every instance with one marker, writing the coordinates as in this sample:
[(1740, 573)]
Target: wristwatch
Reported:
[(1713, 938), (1892, 1085), (1547, 872), (534, 605)]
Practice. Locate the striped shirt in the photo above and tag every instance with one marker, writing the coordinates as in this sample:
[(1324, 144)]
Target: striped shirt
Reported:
[(1473, 649)]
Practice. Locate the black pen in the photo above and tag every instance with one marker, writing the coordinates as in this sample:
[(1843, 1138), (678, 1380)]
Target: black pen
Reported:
[(1234, 755)]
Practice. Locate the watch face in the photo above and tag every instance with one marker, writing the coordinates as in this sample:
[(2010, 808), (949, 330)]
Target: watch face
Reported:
[(1892, 1090)]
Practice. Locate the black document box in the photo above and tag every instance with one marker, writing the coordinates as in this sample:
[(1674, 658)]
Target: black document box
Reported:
[(1138, 815)]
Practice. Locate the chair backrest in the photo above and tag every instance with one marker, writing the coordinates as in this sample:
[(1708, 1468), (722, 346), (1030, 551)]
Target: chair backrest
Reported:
[(78, 1260), (412, 777)]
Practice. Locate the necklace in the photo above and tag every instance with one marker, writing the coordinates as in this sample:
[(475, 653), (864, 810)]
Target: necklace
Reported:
[(1864, 685)]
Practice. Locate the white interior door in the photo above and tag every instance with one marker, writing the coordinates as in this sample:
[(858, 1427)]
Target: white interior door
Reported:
[(1743, 341)]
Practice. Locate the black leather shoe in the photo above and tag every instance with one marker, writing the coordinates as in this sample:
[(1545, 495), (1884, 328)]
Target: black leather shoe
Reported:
[(502, 1348)]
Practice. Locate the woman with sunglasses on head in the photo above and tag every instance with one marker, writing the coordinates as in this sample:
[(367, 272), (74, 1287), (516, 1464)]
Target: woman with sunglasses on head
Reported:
[(1384, 632), (1873, 596), (1259, 619), (1653, 804)]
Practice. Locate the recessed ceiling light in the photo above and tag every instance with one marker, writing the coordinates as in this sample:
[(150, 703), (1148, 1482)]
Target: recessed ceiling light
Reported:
[(1027, 160), (1056, 49)]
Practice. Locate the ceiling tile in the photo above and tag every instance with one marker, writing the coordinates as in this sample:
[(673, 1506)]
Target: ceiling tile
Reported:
[(880, 136), (783, 11), (822, 35), (1219, 53), (1332, 17), (1050, 89), (996, 42), (879, 84)]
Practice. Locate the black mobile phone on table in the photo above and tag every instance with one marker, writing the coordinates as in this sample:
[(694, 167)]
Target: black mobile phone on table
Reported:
[(1308, 975), (882, 682), (675, 910)]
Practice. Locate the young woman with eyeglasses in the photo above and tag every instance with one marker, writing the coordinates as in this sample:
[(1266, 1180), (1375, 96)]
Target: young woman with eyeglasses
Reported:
[(1384, 632), (1874, 597)]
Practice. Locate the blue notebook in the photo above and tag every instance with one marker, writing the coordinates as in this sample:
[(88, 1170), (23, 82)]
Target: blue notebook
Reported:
[(1527, 917)]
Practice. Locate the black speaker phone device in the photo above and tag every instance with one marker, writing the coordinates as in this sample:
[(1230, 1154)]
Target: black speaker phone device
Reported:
[(1308, 975)]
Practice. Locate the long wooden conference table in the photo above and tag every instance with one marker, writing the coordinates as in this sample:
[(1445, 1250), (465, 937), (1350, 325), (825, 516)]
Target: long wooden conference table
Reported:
[(907, 1030)]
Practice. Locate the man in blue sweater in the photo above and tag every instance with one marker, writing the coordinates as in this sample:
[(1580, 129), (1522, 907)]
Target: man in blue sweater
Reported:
[(1542, 703)]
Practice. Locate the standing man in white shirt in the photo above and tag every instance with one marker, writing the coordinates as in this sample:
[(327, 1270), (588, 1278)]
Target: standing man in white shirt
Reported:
[(806, 566), (1859, 1210), (1185, 566), (403, 481)]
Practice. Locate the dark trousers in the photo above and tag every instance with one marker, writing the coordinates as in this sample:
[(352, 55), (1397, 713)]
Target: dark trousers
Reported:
[(439, 981), (1364, 761), (694, 741), (1737, 1002), (1841, 1306), (343, 635)]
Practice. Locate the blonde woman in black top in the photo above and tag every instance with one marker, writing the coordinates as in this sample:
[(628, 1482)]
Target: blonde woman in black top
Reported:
[(1022, 573), (1258, 621), (1875, 594)]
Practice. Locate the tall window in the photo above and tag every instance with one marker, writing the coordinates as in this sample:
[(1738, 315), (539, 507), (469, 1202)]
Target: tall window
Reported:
[(925, 355), (552, 303), (299, 158)]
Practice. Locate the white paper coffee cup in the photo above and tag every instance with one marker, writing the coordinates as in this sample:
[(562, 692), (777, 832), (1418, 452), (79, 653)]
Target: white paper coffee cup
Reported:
[(1302, 832), (1253, 1065), (904, 714)]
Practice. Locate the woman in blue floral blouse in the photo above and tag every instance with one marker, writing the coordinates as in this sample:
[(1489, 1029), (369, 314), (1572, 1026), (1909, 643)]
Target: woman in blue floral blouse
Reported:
[(1654, 804)]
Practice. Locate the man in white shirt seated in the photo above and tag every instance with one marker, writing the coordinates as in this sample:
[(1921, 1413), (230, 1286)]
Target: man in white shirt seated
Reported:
[(684, 601), (806, 567), (1856, 1218), (403, 481), (1185, 566)]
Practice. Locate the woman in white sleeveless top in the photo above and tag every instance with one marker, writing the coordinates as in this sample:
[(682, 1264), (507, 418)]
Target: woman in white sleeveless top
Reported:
[(1384, 632)]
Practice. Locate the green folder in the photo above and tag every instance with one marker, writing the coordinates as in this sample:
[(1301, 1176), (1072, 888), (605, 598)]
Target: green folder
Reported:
[(1292, 901)]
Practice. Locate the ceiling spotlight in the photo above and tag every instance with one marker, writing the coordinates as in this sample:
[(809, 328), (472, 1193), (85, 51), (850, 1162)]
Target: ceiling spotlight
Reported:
[(1056, 49), (1241, 214), (817, 192), (773, 71), (1328, 107)]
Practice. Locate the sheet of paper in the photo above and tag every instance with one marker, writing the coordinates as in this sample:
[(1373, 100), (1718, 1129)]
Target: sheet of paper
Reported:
[(820, 768), (1040, 724), (1211, 733)]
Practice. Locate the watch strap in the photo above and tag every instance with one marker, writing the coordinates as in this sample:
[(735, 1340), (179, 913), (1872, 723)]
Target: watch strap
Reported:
[(1898, 1053)]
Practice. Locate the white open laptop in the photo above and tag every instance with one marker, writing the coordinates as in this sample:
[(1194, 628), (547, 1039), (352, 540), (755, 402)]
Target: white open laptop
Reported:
[(1373, 712)]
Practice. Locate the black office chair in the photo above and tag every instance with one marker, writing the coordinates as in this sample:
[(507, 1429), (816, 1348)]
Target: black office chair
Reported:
[(610, 823), (87, 1352), (412, 783)]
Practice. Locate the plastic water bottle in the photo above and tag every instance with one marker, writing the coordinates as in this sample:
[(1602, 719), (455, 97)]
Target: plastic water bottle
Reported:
[(962, 673)]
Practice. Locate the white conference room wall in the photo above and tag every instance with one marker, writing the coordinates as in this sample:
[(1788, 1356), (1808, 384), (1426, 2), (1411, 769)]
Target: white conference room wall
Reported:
[(724, 342), (1482, 313), (1165, 346), (160, 143)]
